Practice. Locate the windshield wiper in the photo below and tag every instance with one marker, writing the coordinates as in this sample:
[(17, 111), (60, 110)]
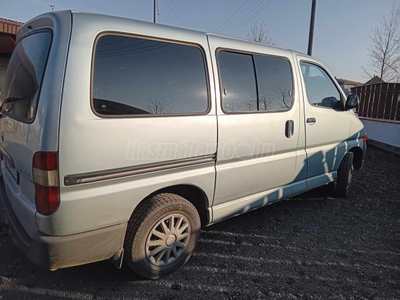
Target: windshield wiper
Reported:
[(11, 99)]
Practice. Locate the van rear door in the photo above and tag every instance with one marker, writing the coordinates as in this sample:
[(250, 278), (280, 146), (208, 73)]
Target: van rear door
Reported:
[(19, 101), (30, 103)]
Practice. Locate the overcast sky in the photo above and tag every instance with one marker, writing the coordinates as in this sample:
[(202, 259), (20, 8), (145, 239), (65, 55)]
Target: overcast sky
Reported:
[(342, 27)]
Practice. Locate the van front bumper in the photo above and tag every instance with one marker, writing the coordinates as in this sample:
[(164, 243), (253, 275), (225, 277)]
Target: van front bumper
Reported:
[(56, 252)]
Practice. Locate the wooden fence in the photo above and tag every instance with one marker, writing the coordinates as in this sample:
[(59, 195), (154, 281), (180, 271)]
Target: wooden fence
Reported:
[(379, 101)]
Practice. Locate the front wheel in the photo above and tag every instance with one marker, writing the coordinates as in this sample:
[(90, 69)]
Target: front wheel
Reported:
[(161, 236), (344, 176)]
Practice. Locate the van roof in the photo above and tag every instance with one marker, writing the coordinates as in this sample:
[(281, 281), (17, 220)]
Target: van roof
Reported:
[(103, 17)]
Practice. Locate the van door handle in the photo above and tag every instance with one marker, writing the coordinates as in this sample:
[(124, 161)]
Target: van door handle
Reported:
[(311, 120), (289, 128)]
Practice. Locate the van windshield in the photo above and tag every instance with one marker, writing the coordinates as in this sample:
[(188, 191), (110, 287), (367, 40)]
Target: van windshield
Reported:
[(24, 75)]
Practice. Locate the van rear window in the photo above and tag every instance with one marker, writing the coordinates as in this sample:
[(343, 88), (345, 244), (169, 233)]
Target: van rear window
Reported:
[(135, 76), (24, 76)]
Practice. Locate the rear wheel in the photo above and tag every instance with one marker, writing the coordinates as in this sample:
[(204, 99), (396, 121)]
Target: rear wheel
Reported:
[(161, 236), (344, 176)]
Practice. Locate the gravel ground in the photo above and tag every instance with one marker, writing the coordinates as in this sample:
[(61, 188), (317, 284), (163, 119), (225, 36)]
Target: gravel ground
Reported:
[(311, 247)]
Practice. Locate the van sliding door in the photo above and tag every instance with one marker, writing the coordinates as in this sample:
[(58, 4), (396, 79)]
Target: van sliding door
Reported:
[(258, 126)]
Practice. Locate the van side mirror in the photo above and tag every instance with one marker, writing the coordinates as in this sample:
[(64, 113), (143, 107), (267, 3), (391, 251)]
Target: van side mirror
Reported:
[(352, 101)]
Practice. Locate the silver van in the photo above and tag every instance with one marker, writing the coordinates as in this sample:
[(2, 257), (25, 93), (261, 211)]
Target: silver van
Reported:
[(122, 138)]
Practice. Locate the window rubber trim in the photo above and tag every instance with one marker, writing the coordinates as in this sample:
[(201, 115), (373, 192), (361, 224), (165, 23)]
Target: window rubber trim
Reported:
[(223, 49), (153, 38)]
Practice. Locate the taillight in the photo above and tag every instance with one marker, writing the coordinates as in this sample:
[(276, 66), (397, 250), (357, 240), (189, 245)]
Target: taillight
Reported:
[(365, 138), (45, 176)]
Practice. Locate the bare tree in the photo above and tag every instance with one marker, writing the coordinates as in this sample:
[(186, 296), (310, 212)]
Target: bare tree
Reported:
[(159, 106), (259, 33), (384, 54), (265, 102), (285, 95)]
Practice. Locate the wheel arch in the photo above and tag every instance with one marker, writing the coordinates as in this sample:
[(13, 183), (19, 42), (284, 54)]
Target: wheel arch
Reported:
[(193, 194), (358, 157)]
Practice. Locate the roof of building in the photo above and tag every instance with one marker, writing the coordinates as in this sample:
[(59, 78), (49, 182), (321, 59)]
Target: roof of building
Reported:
[(374, 80), (348, 82), (11, 21), (9, 26)]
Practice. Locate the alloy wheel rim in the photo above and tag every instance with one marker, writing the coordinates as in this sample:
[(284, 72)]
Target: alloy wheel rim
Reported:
[(168, 239)]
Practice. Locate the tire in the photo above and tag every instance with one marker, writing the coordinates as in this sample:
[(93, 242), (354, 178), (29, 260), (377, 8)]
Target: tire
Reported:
[(152, 247), (344, 176)]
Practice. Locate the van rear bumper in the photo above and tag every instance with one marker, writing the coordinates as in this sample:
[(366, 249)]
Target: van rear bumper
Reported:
[(56, 252)]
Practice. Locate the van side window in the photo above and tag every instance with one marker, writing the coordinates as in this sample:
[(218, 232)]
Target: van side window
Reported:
[(238, 82), (251, 83), (275, 83), (321, 91), (135, 76)]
